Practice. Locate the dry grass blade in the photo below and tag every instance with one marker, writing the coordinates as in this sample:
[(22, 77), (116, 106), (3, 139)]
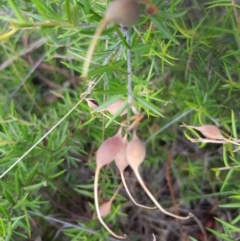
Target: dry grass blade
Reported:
[(91, 48)]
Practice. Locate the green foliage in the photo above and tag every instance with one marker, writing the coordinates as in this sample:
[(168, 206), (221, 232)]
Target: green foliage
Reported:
[(185, 62)]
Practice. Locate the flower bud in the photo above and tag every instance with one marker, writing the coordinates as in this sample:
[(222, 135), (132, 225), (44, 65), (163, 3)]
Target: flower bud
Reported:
[(92, 104), (121, 157), (109, 149), (105, 208), (136, 152), (115, 107), (125, 12), (209, 131)]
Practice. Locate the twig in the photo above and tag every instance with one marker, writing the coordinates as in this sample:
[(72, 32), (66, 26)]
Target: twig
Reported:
[(126, 32), (226, 168), (169, 182), (22, 82), (206, 140), (129, 68), (32, 47), (34, 67), (48, 82)]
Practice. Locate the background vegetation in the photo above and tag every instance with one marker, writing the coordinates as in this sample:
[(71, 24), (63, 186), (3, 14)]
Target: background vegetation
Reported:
[(185, 62)]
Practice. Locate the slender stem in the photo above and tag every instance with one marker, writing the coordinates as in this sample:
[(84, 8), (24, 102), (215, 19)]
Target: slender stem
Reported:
[(233, 142), (135, 118), (129, 194), (92, 47), (154, 200), (111, 118), (129, 69), (223, 141), (226, 168), (134, 124), (97, 172), (44, 136), (105, 208)]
